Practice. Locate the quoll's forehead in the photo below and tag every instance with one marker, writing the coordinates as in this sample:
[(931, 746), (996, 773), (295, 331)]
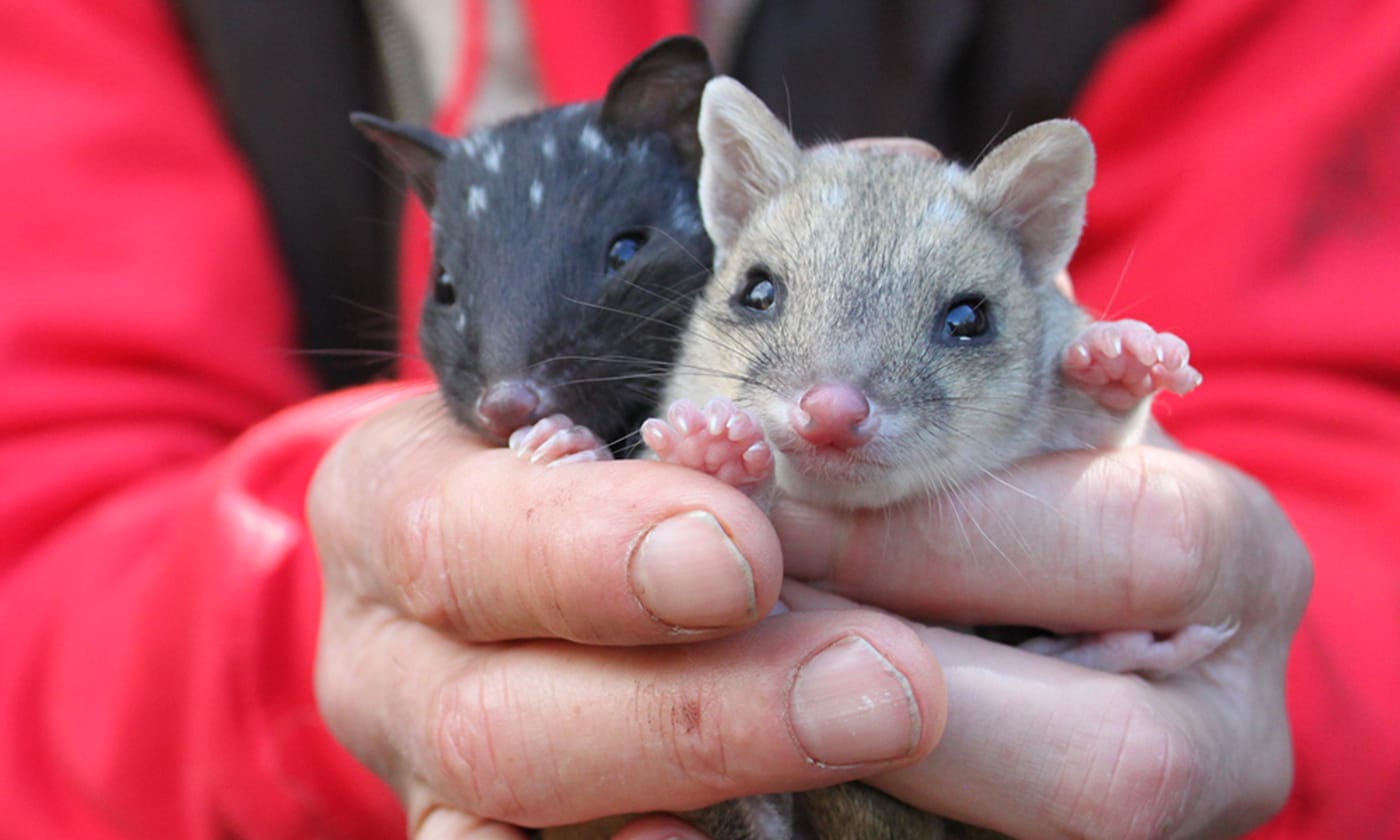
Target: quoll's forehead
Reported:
[(844, 187), (861, 219), (550, 164)]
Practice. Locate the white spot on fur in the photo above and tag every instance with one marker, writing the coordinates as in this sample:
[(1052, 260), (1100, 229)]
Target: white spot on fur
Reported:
[(536, 192), (834, 196), (472, 143), (548, 148), (476, 201), (491, 156), (461, 322), (592, 141), (684, 218)]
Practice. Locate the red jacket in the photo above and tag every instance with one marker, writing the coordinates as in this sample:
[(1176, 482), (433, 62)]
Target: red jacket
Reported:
[(158, 596), (1248, 198)]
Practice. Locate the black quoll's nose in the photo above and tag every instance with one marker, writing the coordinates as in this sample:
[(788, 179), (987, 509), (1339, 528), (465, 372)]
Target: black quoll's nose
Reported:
[(506, 406)]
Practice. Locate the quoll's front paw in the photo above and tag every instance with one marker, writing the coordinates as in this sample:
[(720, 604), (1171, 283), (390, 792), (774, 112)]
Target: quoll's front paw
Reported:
[(721, 440), (1120, 363), (557, 440)]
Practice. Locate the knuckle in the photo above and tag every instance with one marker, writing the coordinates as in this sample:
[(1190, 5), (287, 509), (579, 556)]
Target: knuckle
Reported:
[(1281, 551), (479, 750), (1145, 774), (502, 762), (345, 648), (333, 694), (687, 724), (1172, 566), (1140, 777), (413, 552), (1267, 783)]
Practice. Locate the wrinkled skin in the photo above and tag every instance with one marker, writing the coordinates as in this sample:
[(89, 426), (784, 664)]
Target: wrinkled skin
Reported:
[(490, 648)]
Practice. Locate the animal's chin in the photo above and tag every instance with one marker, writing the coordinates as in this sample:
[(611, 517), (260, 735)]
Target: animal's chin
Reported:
[(832, 463), (837, 477)]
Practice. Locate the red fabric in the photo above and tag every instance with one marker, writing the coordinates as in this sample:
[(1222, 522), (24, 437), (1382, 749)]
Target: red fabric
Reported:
[(158, 590), (583, 43), (157, 594), (159, 598), (1248, 198)]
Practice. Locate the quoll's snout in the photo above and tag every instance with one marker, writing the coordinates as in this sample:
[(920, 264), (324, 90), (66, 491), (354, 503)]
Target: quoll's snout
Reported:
[(506, 406), (834, 414)]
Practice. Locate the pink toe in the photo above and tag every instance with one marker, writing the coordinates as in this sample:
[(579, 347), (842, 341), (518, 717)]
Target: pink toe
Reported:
[(659, 436)]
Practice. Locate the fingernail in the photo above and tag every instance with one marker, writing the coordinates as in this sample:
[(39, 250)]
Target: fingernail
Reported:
[(850, 705), (688, 573)]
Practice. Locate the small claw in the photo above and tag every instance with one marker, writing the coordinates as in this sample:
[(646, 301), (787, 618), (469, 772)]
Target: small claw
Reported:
[(739, 426), (684, 416), (758, 457), (583, 457), (659, 436)]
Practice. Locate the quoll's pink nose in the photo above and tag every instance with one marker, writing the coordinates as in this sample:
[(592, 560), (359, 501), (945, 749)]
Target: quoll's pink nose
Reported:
[(834, 414), (508, 405)]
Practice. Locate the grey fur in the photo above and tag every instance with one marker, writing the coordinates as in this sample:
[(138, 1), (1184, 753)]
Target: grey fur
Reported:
[(869, 250)]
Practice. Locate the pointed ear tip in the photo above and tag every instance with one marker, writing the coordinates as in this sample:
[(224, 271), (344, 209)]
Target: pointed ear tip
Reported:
[(678, 65), (1066, 140), (1085, 153), (684, 46), (1072, 131), (669, 53), (400, 138), (1081, 136), (364, 119), (1062, 129), (726, 94), (723, 85)]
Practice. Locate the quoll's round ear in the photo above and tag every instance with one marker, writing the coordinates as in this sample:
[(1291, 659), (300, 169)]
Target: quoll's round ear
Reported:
[(749, 156), (417, 150), (660, 90), (1035, 184)]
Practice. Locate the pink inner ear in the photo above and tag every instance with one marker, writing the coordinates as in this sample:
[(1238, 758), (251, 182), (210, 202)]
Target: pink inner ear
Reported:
[(895, 146), (1064, 284)]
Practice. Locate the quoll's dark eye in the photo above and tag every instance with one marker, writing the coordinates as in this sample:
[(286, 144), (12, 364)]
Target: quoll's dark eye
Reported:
[(760, 292), (967, 318), (443, 291), (623, 248)]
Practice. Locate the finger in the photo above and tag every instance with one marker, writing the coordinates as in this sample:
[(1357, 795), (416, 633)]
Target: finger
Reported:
[(1092, 754), (546, 733), (1144, 537), (441, 823), (659, 828), (1098, 755), (415, 513)]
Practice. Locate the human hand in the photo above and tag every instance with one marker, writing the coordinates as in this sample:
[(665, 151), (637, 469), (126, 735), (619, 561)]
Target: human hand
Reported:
[(1142, 538), (510, 644)]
